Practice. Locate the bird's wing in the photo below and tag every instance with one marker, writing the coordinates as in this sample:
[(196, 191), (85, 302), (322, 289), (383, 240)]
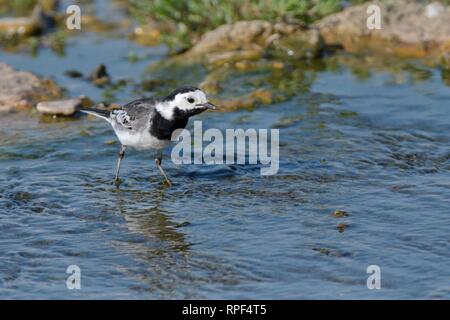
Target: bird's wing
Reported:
[(135, 114)]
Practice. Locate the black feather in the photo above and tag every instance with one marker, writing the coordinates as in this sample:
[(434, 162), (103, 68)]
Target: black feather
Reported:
[(162, 128), (184, 89)]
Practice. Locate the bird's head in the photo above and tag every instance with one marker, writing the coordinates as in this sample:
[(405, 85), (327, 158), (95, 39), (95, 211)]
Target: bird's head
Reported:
[(185, 101)]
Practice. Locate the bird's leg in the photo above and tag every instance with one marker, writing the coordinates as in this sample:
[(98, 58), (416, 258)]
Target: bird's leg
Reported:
[(158, 161), (119, 160)]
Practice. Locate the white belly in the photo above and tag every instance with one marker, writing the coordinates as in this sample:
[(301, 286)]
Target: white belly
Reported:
[(140, 140)]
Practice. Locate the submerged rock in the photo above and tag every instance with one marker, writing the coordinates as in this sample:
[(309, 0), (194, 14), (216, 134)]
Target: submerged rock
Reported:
[(59, 107), (73, 73), (221, 58), (20, 89), (341, 227), (248, 101), (340, 214), (408, 28)]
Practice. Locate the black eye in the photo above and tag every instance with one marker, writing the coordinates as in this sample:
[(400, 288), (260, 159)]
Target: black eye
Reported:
[(190, 100)]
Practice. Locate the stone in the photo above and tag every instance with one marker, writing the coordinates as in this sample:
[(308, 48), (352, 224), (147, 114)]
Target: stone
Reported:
[(250, 40), (59, 107), (26, 26), (149, 34), (248, 101), (73, 73), (242, 35), (18, 27), (21, 89), (218, 59), (299, 45), (445, 60), (408, 29), (99, 76)]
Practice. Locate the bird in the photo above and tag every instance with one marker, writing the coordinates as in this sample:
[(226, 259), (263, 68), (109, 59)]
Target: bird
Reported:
[(148, 123)]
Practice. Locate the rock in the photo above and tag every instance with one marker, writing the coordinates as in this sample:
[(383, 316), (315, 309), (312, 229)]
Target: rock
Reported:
[(100, 75), (298, 45), (73, 73), (20, 89), (233, 60), (149, 84), (49, 6), (236, 36), (95, 24), (59, 107), (248, 101), (445, 61), (445, 75), (243, 40), (22, 27), (149, 34), (408, 29), (233, 56), (434, 9), (250, 40), (26, 26), (211, 86)]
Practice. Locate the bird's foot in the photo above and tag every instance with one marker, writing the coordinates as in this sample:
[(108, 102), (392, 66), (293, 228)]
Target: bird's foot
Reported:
[(167, 183), (117, 182)]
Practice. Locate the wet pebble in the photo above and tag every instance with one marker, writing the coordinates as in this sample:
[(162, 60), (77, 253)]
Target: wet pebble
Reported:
[(59, 107), (73, 74), (340, 214)]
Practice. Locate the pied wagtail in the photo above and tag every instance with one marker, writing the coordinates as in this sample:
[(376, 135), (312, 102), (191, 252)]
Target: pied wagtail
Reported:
[(149, 123)]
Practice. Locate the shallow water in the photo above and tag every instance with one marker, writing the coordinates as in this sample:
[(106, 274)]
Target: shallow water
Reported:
[(377, 148)]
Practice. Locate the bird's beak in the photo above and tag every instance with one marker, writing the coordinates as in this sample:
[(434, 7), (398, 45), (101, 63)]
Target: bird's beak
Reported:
[(207, 105)]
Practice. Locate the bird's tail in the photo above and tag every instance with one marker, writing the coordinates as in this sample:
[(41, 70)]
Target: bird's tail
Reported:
[(105, 114)]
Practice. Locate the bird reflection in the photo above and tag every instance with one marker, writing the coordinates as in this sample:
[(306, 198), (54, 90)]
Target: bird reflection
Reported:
[(151, 221), (161, 257)]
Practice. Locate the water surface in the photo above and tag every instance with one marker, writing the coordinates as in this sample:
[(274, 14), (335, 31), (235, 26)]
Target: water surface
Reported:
[(376, 147)]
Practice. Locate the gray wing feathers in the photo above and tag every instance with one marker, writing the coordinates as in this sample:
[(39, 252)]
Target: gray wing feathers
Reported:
[(134, 115)]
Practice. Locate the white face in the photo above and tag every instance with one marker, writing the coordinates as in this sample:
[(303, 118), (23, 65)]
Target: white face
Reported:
[(189, 100), (192, 102)]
